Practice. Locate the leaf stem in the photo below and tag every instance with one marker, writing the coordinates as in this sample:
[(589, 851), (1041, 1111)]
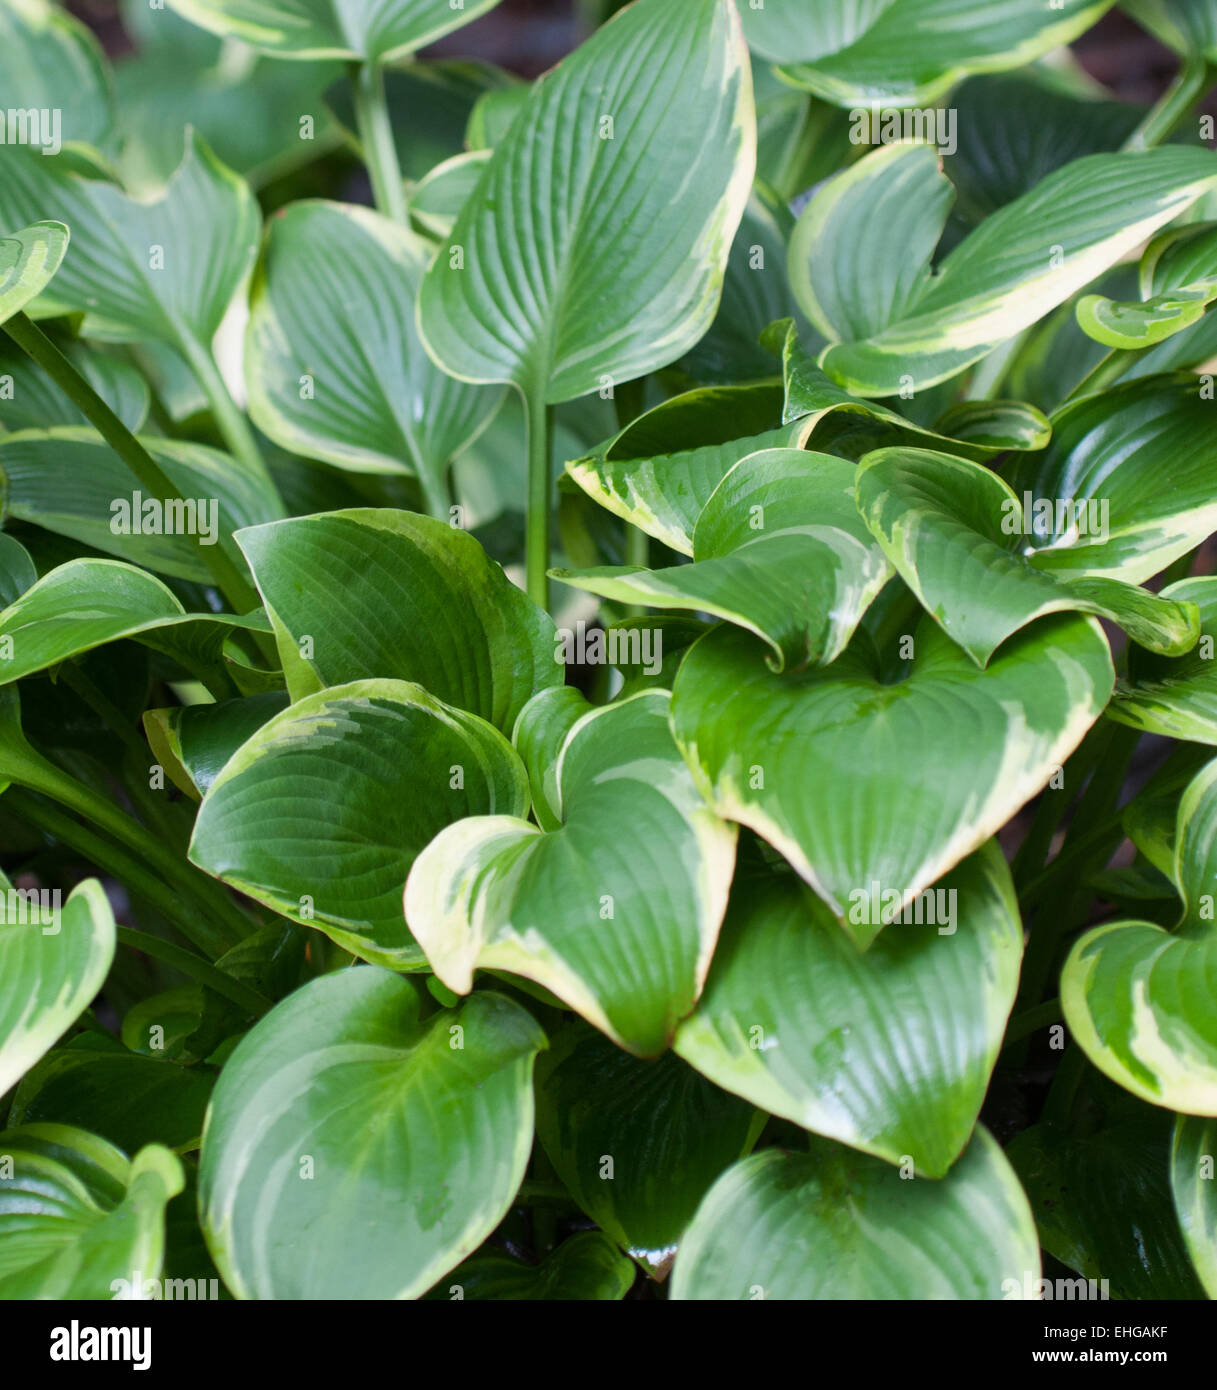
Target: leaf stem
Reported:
[(540, 422), (33, 341), (233, 426), (241, 994), (376, 139), (1191, 83), (1108, 371)]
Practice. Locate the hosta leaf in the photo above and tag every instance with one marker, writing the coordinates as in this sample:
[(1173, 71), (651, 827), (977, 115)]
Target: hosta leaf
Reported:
[(28, 262), (355, 1150), (1187, 26), (903, 328), (52, 966), (587, 1266), (662, 469), (437, 199), (958, 537), (905, 52), (1194, 1185), (76, 1216), (835, 1224), (403, 596), (1175, 698), (856, 781), (616, 911), (195, 741), (50, 62), (362, 29), (17, 572), (652, 118), (36, 402), (1146, 449), (1138, 999), (88, 603), (333, 363), (68, 481), (889, 1052), (1102, 1203), (779, 549), (321, 813), (665, 1132)]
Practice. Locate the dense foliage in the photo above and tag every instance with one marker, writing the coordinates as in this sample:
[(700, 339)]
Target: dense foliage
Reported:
[(548, 673)]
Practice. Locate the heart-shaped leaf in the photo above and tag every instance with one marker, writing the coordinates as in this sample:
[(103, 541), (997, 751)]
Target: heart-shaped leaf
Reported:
[(52, 962), (889, 1052), (638, 1144), (779, 549), (333, 363), (321, 813), (380, 593), (1138, 999), (617, 910), (835, 1224), (892, 325), (858, 782), (365, 29), (28, 262), (325, 1173), (1194, 1185), (1175, 698), (77, 1220), (906, 52), (651, 117), (586, 1267), (958, 537)]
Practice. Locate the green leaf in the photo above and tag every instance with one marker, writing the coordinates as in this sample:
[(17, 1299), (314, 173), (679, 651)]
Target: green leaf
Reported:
[(89, 603), (661, 470), (1193, 1155), (166, 269), (334, 366), (1175, 698), (1187, 26), (889, 1052), (779, 549), (652, 119), (52, 965), (17, 572), (355, 1150), (438, 197), (585, 1267), (958, 536), (1138, 999), (1178, 281), (193, 742), (363, 29), (894, 326), (857, 781), (50, 62), (37, 403), (834, 1224), (28, 262), (666, 1130), (906, 52), (76, 1217), (322, 812), (616, 911), (378, 593), (68, 481)]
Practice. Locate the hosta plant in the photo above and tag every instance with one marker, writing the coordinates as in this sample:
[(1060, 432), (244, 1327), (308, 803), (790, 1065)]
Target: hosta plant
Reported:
[(637, 718)]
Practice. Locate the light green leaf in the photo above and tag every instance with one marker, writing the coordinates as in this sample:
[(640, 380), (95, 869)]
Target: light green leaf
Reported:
[(587, 1266), (76, 1217), (900, 327), (37, 403), (1138, 999), (52, 63), (1193, 1160), (669, 1132), (1175, 698), (52, 963), (322, 812), (333, 364), (958, 537), (366, 29), (906, 52), (779, 549), (616, 911), (857, 781), (438, 197), (889, 1052), (652, 118), (373, 592), (834, 1224), (326, 1172), (1187, 26), (28, 262)]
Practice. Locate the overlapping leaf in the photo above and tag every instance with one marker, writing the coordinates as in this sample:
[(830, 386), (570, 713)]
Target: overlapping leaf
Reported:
[(1175, 698)]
